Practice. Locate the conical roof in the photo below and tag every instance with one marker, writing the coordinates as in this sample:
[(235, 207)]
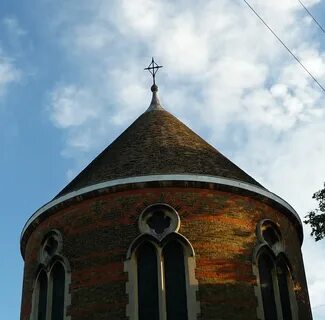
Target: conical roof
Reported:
[(157, 143)]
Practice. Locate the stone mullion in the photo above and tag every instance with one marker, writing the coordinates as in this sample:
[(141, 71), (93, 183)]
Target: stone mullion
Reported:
[(161, 285)]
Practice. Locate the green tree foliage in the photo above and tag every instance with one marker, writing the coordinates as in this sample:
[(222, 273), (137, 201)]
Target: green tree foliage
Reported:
[(316, 218)]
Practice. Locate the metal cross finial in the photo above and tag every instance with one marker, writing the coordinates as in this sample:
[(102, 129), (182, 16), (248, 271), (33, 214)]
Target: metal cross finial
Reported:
[(153, 69)]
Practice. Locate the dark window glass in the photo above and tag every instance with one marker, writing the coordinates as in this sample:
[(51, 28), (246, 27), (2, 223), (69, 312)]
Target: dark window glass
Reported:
[(42, 296), (159, 222), (265, 267), (282, 272), (58, 278), (175, 282), (51, 246), (270, 236), (147, 282)]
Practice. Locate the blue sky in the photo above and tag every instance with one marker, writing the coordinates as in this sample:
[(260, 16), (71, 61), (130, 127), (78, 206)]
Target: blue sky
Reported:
[(72, 79)]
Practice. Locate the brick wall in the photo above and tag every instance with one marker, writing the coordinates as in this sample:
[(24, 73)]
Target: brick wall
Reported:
[(220, 225)]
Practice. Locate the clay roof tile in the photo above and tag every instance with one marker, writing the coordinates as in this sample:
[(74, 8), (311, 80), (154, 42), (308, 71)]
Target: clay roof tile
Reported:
[(157, 143)]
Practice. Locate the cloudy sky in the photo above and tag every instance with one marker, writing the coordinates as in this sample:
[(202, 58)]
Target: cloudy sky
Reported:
[(72, 79)]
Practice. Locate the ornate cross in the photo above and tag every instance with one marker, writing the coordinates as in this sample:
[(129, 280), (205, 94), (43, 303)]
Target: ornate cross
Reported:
[(153, 69)]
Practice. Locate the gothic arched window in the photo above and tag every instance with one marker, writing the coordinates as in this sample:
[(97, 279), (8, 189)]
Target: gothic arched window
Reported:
[(161, 289), (161, 268), (283, 276), (175, 281), (42, 295), (148, 301), (57, 277), (266, 272), (49, 297), (275, 281)]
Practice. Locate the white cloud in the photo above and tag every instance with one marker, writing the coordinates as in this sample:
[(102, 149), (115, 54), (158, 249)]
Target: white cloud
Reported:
[(9, 74), (142, 16), (72, 106), (224, 72)]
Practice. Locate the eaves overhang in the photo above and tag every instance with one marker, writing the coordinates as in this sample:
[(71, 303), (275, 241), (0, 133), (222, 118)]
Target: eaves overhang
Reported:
[(168, 180)]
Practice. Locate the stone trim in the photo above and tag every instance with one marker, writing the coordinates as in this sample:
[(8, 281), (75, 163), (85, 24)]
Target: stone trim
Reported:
[(46, 257), (168, 211), (163, 178)]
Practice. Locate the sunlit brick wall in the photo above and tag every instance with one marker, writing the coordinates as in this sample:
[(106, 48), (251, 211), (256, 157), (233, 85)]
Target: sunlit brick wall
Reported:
[(220, 225)]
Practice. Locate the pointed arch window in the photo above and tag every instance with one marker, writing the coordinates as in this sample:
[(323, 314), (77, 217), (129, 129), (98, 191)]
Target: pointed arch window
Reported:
[(42, 295), (50, 293), (175, 281), (148, 300), (58, 287), (161, 267), (277, 297), (283, 277), (161, 280), (266, 273)]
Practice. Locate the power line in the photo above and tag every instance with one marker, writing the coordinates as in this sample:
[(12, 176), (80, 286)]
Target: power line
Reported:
[(293, 55), (312, 16)]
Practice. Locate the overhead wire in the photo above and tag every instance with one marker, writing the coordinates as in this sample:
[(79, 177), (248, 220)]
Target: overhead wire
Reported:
[(285, 46), (315, 20)]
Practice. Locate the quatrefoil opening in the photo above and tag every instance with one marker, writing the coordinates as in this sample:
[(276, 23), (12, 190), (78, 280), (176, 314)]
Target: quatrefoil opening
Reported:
[(159, 220)]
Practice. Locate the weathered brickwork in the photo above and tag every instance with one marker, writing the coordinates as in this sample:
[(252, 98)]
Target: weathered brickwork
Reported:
[(221, 226)]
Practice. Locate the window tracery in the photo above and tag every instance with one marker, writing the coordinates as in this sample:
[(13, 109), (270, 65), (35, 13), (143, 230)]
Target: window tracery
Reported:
[(159, 220), (161, 267), (50, 295), (275, 284)]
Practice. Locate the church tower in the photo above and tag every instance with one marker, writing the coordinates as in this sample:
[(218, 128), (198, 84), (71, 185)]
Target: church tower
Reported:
[(162, 226)]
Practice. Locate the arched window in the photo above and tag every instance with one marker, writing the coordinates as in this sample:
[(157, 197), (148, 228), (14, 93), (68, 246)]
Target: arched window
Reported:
[(147, 282), (175, 281), (275, 281), (161, 290), (58, 288), (50, 296), (266, 269), (42, 295), (283, 276), (161, 269)]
